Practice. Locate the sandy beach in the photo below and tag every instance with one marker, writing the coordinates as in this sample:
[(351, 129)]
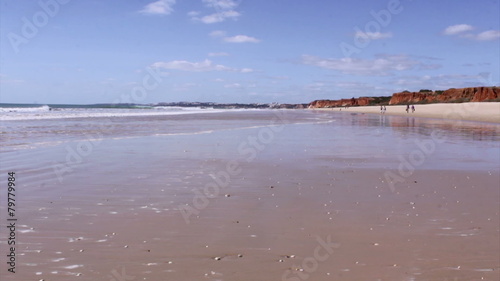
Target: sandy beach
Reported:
[(259, 195), (472, 111), (224, 140)]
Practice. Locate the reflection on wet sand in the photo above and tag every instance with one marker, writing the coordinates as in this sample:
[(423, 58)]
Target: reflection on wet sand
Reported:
[(414, 126)]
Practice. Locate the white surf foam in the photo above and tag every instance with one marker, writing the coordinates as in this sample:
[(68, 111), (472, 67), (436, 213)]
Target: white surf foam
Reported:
[(42, 113)]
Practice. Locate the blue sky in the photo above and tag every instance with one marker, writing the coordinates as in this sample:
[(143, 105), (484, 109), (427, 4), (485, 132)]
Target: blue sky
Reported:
[(287, 51)]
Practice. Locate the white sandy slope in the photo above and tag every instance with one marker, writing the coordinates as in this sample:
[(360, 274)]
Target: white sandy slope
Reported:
[(470, 111)]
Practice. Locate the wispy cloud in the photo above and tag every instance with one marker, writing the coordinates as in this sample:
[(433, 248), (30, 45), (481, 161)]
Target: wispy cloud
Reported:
[(204, 66), (463, 31), (160, 7), (219, 17), (221, 4), (488, 35), (476, 64), (382, 65), (456, 29), (233, 39), (224, 9), (372, 35), (241, 39)]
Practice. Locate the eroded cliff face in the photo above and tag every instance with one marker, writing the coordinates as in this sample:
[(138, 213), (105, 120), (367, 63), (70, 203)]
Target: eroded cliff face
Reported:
[(343, 102), (409, 97), (486, 93), (477, 94)]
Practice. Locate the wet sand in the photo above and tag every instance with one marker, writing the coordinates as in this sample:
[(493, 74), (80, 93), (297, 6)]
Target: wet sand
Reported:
[(312, 203), (470, 111)]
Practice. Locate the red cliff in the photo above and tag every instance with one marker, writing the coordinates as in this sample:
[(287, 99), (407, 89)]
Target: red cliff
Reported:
[(343, 102), (477, 94), (410, 97)]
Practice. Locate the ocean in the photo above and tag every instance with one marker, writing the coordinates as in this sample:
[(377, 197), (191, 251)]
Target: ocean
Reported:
[(30, 126), (11, 112)]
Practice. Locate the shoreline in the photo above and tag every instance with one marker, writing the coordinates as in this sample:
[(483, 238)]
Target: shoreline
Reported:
[(470, 111)]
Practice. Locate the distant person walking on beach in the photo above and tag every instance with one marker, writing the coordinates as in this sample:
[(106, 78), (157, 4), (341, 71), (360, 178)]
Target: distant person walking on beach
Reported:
[(412, 108), (385, 109), (407, 108), (381, 109)]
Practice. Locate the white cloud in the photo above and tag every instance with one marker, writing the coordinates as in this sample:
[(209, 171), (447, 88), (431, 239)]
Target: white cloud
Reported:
[(233, 39), (183, 65), (204, 66), (246, 70), (456, 29), (461, 30), (241, 39), (218, 17), (380, 66), (373, 35), (220, 54), (160, 7), (488, 35), (224, 9), (221, 4)]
